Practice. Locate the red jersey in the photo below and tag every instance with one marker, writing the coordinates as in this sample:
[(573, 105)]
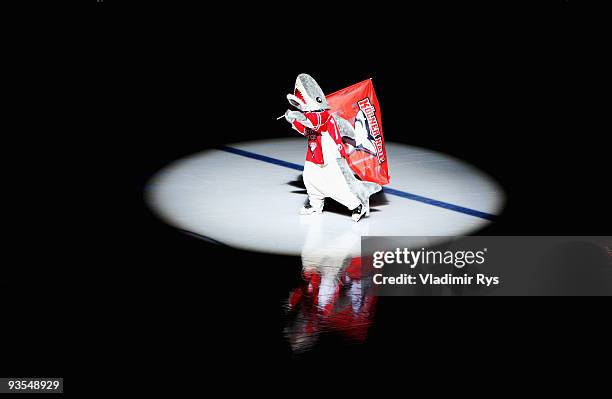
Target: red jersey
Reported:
[(322, 122)]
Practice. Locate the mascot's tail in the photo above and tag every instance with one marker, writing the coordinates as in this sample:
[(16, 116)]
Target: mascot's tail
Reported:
[(362, 189)]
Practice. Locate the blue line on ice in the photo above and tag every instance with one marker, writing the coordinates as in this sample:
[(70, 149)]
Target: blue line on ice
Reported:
[(388, 190)]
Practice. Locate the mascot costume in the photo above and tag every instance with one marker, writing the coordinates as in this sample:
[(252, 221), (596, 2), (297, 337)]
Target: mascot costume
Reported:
[(327, 173)]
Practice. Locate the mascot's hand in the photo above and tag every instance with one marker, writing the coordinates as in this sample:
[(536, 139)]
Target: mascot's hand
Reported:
[(291, 116)]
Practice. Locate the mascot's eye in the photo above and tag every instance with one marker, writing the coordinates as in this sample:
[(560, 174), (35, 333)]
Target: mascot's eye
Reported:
[(319, 100)]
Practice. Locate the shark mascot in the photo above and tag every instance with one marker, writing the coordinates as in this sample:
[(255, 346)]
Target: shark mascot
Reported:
[(326, 171)]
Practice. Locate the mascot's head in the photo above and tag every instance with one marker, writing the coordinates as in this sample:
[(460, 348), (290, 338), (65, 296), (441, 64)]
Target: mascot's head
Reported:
[(307, 95)]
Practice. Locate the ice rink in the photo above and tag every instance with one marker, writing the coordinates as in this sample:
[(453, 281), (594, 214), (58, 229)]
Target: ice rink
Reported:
[(247, 195)]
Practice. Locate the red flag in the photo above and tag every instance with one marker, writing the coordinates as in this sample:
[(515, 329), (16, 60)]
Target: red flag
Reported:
[(367, 156)]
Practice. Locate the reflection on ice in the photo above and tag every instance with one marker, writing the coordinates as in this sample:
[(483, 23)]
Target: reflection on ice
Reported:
[(334, 296)]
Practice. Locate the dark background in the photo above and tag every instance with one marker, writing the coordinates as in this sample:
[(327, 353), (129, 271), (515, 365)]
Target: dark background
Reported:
[(501, 88), (498, 88)]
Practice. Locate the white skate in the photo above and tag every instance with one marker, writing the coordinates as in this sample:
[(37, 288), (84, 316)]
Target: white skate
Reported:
[(310, 210), (360, 211)]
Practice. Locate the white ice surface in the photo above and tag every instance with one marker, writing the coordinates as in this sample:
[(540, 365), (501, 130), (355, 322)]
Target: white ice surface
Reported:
[(248, 203)]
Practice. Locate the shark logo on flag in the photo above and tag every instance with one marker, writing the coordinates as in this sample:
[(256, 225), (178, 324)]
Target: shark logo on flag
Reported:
[(357, 112)]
